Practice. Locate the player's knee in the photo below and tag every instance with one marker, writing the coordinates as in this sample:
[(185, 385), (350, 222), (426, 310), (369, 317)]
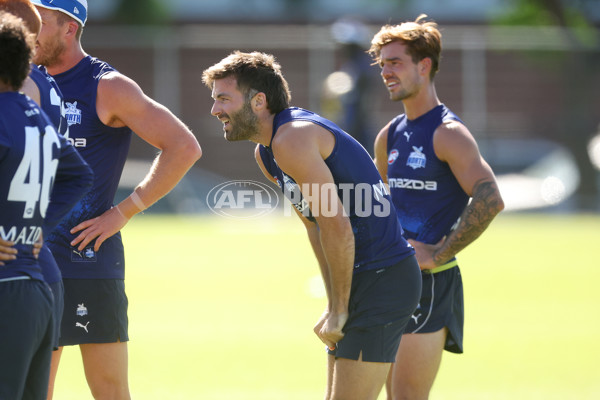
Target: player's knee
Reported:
[(110, 389)]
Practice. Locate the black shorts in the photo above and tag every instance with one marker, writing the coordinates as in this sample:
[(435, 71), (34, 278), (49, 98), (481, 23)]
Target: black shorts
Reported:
[(95, 312), (441, 305), (25, 339), (58, 293), (381, 303)]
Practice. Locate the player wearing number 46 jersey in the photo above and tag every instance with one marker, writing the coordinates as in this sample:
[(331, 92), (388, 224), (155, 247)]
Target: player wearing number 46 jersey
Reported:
[(29, 160), (42, 88)]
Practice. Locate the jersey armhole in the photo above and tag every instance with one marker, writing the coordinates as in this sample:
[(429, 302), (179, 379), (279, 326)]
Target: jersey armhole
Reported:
[(392, 133), (266, 160)]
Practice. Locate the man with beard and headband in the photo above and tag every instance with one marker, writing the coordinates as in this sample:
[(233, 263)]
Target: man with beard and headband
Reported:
[(433, 166), (370, 273), (103, 108)]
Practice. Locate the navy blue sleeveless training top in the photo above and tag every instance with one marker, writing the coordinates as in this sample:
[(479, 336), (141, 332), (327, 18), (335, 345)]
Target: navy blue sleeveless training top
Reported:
[(377, 232), (105, 150), (426, 195), (29, 149)]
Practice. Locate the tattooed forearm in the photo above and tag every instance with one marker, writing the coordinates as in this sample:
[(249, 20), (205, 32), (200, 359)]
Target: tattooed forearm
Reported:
[(485, 204)]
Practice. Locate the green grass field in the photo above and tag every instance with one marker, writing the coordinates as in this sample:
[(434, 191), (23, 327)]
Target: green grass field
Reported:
[(223, 309)]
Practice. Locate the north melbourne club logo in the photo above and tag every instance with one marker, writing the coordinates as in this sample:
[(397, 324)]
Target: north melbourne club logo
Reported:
[(90, 253), (416, 159), (81, 310), (87, 255), (72, 114)]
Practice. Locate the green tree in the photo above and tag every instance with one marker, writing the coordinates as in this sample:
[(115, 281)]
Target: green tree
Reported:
[(141, 12)]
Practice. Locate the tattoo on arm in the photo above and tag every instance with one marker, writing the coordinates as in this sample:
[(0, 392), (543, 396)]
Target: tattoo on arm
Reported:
[(485, 204)]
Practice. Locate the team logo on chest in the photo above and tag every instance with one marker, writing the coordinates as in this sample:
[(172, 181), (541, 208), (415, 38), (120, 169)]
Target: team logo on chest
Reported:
[(416, 159), (72, 114), (393, 156)]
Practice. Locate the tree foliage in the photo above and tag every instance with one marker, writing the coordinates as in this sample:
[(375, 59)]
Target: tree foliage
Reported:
[(141, 12)]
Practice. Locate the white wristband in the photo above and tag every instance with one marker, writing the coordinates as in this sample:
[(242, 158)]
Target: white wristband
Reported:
[(120, 212), (137, 201)]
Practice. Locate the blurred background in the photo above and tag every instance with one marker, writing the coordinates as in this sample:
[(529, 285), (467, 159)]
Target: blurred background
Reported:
[(524, 75)]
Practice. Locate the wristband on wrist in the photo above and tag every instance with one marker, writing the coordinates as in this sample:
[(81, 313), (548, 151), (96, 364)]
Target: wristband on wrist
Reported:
[(120, 212), (137, 201)]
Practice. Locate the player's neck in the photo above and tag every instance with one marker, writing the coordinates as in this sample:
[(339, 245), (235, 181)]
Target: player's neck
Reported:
[(68, 59), (265, 130), (4, 87), (424, 101)]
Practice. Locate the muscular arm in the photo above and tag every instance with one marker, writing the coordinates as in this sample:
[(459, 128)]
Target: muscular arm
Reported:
[(314, 237), (300, 150), (312, 231), (121, 102), (454, 144), (485, 204)]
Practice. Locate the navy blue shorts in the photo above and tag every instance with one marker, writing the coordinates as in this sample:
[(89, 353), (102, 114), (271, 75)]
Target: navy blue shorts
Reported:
[(25, 339), (381, 303), (95, 312), (441, 305), (58, 293)]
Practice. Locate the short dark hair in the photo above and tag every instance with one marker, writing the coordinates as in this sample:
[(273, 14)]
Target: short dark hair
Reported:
[(253, 71), (16, 50)]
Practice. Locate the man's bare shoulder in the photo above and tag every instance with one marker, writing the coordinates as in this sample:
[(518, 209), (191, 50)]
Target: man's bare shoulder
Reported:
[(452, 127), (115, 82), (451, 131), (293, 133), (453, 139), (117, 97), (298, 136)]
